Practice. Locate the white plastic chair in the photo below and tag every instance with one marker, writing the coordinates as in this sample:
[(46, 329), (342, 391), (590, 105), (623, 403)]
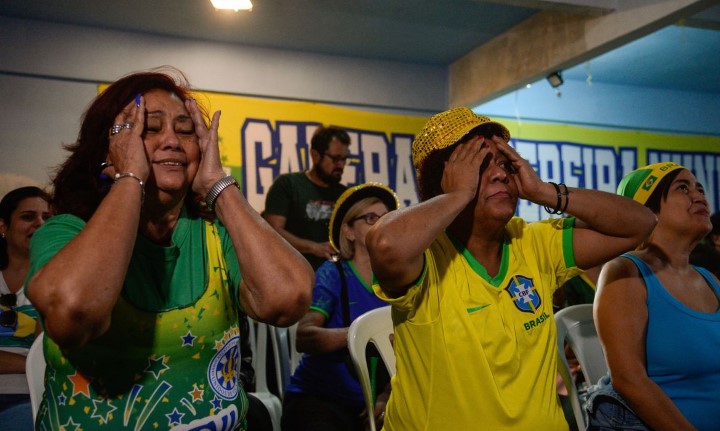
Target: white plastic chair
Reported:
[(35, 373), (285, 356), (375, 327), (282, 359), (295, 356), (262, 392), (575, 324)]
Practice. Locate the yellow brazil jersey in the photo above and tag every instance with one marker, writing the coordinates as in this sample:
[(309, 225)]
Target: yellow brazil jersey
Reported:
[(479, 352)]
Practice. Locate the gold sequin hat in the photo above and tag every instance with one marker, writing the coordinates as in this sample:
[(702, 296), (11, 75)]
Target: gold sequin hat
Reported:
[(445, 129), (354, 195)]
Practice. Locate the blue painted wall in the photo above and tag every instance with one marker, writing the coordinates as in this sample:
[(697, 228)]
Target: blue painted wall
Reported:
[(672, 64)]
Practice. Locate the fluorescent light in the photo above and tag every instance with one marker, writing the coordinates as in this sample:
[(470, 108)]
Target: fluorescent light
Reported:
[(235, 5)]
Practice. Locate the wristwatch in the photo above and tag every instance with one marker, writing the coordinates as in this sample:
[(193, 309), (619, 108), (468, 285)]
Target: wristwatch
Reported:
[(217, 188)]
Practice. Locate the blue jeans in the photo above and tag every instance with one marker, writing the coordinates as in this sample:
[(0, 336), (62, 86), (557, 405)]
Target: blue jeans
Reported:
[(16, 412), (607, 410), (611, 415)]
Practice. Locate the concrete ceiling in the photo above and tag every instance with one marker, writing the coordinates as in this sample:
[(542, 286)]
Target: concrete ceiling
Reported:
[(490, 47)]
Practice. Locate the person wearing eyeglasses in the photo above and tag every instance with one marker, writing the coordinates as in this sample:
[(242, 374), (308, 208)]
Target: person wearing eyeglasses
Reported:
[(471, 284), (22, 212), (299, 204), (323, 393)]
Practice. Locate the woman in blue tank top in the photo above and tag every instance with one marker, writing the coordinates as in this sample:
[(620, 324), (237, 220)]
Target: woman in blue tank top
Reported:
[(657, 315)]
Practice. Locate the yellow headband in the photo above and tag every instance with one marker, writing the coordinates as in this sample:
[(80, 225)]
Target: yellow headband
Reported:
[(642, 182)]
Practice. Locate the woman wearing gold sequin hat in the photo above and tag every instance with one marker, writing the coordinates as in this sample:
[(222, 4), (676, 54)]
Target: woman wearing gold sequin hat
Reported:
[(471, 285), (658, 316), (323, 393)]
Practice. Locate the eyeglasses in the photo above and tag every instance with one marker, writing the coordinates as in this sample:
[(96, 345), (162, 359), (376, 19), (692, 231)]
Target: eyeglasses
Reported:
[(369, 218), (335, 159), (8, 318)]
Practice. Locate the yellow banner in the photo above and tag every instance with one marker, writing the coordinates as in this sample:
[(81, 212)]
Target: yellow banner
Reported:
[(598, 158), (263, 138)]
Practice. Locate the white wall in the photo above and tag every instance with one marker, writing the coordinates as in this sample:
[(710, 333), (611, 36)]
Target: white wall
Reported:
[(49, 73)]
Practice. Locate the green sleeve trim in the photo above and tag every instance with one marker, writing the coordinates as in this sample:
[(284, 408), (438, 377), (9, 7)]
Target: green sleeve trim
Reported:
[(567, 240), (321, 311)]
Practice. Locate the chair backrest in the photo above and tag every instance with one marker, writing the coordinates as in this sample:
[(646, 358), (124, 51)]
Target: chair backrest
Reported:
[(280, 339), (375, 327), (35, 373), (262, 392), (295, 356), (576, 326)]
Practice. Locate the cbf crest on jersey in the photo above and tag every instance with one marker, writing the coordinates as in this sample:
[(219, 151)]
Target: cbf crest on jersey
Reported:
[(523, 293)]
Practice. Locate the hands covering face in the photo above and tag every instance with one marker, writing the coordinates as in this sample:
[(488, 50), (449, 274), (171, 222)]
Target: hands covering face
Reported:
[(126, 150), (128, 146), (210, 170), (479, 155)]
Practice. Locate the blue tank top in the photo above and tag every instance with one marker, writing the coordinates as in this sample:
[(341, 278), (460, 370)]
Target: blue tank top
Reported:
[(682, 347)]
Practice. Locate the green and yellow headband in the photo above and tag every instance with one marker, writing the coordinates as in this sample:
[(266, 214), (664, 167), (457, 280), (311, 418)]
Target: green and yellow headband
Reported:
[(641, 183)]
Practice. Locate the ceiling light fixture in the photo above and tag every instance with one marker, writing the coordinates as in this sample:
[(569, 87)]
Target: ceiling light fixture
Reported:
[(555, 79), (235, 5)]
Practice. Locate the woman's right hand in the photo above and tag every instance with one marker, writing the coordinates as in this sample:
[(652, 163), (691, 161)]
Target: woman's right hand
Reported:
[(463, 168), (126, 150)]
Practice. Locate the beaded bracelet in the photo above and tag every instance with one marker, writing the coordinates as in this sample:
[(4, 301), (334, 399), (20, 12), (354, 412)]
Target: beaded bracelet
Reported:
[(559, 207), (567, 197), (559, 201), (120, 176)]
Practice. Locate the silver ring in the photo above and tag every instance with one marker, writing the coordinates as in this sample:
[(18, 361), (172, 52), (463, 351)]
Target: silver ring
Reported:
[(116, 128)]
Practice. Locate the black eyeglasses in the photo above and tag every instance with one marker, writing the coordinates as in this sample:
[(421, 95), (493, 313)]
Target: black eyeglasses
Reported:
[(369, 218), (335, 159), (8, 318)]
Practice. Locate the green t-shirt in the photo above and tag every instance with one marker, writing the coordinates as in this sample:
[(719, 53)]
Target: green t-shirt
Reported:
[(171, 356), (306, 206)]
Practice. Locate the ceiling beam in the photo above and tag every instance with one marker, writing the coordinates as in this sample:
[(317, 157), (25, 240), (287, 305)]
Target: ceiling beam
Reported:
[(551, 41), (589, 7)]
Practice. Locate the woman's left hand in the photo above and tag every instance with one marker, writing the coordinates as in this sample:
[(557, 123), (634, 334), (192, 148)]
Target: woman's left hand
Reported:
[(210, 169), (527, 180)]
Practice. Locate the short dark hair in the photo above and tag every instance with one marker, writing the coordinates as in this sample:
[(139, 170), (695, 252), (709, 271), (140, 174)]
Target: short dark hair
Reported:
[(324, 135), (8, 205), (433, 166), (79, 187), (661, 191)]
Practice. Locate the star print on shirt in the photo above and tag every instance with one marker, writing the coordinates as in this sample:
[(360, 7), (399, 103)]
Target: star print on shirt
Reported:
[(196, 393), (175, 417), (156, 366), (70, 426), (216, 402), (61, 399), (81, 384), (102, 409), (188, 339)]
